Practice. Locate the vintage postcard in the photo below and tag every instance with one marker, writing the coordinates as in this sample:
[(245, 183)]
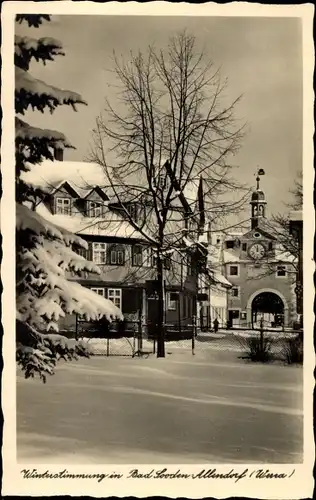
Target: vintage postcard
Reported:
[(157, 221)]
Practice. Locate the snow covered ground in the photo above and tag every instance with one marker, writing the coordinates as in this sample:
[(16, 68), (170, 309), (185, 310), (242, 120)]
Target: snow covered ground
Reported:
[(207, 408)]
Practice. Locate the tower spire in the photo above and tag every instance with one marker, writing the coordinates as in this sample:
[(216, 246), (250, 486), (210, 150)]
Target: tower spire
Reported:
[(260, 172), (258, 201)]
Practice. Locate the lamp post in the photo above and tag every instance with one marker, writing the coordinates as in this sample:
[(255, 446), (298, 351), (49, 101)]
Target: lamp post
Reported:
[(296, 230)]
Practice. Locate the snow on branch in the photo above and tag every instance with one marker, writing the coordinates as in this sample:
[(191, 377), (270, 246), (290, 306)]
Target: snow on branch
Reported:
[(44, 49), (62, 297), (26, 132), (35, 93), (28, 220), (33, 145)]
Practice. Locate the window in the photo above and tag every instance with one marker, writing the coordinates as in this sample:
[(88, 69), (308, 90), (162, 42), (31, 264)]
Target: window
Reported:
[(190, 265), (270, 246), (230, 244), (95, 209), (281, 271), (244, 247), (99, 291), (147, 257), (137, 256), (233, 271), (171, 304), (115, 295), (234, 313), (99, 253), (153, 258), (161, 180), (81, 251), (63, 206), (218, 241), (116, 255), (133, 211), (257, 235), (235, 291), (167, 263)]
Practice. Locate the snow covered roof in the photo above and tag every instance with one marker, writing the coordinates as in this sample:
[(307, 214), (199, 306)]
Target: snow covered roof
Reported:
[(50, 174), (296, 215), (230, 257), (281, 255), (220, 278), (233, 234), (83, 177), (114, 226)]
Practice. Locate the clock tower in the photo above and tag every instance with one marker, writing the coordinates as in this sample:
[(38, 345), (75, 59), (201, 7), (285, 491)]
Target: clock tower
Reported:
[(258, 203)]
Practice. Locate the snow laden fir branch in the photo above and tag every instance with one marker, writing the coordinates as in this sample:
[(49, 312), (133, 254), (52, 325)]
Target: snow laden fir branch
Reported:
[(45, 293), (46, 254)]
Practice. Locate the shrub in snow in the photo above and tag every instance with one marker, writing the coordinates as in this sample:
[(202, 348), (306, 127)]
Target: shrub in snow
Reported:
[(45, 254), (292, 351), (257, 348)]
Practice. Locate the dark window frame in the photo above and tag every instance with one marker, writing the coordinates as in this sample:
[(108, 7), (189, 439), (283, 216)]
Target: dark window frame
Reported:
[(230, 244), (115, 255), (230, 270), (137, 256), (281, 269)]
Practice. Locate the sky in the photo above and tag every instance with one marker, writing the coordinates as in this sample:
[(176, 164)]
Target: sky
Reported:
[(261, 57)]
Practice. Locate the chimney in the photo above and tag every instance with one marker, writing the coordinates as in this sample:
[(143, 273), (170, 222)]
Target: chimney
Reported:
[(58, 154)]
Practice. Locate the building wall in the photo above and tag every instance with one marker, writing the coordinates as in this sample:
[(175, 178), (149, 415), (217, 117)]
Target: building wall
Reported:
[(131, 279), (252, 282), (219, 305)]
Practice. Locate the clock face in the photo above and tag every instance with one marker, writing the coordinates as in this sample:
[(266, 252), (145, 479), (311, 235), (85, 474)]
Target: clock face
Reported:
[(257, 251)]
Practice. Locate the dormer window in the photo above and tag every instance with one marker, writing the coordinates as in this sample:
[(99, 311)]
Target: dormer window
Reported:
[(132, 210), (94, 209), (63, 206)]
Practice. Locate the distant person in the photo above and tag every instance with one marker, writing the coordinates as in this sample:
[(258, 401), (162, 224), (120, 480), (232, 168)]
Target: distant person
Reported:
[(215, 324)]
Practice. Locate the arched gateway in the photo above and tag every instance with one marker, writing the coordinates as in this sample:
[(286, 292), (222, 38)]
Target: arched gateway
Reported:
[(267, 304)]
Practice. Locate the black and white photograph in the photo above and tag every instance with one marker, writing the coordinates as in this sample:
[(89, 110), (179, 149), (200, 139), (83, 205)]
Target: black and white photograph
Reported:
[(157, 307)]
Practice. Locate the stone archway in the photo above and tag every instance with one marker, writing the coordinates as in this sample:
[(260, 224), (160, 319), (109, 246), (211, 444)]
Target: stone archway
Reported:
[(270, 304)]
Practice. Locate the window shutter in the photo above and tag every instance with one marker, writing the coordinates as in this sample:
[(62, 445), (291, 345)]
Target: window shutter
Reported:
[(109, 249), (90, 251)]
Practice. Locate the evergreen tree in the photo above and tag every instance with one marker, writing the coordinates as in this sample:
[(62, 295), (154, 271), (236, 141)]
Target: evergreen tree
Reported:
[(46, 254)]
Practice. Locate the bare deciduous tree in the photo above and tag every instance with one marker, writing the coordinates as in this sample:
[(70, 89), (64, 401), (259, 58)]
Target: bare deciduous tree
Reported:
[(171, 125)]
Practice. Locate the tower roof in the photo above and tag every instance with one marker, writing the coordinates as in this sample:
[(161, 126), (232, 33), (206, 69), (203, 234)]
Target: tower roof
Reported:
[(258, 195)]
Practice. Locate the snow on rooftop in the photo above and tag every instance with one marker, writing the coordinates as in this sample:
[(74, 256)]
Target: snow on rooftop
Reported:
[(230, 257), (80, 175), (114, 226), (220, 278), (296, 215)]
